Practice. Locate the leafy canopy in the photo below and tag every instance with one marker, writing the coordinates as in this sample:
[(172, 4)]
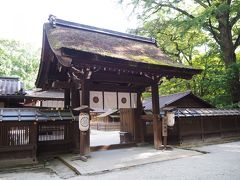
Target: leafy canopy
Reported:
[(19, 60)]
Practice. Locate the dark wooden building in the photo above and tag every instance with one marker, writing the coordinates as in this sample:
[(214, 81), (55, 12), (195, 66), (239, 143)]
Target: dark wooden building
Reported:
[(46, 99), (11, 92), (196, 121), (178, 100), (80, 59)]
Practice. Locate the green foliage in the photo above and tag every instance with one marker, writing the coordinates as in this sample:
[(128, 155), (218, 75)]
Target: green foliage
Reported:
[(19, 60), (194, 33)]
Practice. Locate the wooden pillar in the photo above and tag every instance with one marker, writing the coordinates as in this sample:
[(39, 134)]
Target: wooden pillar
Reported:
[(141, 124), (75, 102), (85, 136), (66, 98), (157, 124), (202, 129), (34, 140)]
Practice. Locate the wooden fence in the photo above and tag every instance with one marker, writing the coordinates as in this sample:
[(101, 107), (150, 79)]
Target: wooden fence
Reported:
[(207, 129), (17, 141), (194, 130), (25, 140)]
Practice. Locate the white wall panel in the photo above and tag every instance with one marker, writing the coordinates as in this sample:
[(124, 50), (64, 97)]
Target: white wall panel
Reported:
[(96, 99), (134, 100), (123, 100), (110, 100)]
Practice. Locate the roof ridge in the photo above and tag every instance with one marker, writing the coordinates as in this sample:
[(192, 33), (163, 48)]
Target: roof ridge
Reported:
[(186, 92), (60, 22), (6, 77)]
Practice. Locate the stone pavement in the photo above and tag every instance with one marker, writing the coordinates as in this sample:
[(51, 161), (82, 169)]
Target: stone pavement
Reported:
[(105, 161)]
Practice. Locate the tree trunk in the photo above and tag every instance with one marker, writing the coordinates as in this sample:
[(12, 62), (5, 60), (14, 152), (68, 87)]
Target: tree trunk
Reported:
[(229, 56)]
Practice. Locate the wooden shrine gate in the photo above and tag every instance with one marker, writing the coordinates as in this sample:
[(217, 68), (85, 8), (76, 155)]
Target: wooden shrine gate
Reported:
[(80, 59)]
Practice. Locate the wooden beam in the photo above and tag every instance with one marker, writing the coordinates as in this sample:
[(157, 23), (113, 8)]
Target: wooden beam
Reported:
[(115, 87), (157, 124), (121, 78)]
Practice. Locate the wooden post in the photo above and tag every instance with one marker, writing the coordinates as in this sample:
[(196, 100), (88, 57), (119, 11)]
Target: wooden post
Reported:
[(220, 127), (66, 98), (179, 130), (75, 102), (85, 136), (34, 139), (164, 130), (141, 124), (202, 129), (157, 124)]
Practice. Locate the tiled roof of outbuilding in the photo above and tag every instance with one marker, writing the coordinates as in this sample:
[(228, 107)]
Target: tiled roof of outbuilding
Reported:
[(9, 86)]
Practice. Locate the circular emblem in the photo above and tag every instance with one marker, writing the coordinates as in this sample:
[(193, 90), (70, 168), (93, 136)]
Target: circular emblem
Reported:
[(124, 100), (84, 122), (95, 99)]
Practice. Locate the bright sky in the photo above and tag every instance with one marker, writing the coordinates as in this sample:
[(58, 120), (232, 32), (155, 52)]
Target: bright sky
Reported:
[(23, 19)]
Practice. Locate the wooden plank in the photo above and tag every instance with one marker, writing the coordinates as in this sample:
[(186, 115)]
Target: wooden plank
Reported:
[(157, 129)]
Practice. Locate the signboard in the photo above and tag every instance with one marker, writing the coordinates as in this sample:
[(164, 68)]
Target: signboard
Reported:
[(83, 121), (170, 118), (164, 126)]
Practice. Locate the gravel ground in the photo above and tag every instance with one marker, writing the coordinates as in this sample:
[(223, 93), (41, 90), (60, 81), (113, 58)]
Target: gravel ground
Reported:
[(98, 138), (222, 162)]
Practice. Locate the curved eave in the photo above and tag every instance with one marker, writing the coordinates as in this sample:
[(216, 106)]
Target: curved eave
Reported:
[(46, 55), (96, 59)]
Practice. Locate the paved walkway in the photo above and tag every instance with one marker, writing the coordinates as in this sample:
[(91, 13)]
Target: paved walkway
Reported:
[(221, 163), (105, 161)]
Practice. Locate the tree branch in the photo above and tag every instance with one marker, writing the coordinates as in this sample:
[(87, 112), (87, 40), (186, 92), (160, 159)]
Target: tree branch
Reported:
[(237, 42), (209, 3), (235, 19), (201, 3), (157, 8), (175, 8), (179, 10), (214, 33)]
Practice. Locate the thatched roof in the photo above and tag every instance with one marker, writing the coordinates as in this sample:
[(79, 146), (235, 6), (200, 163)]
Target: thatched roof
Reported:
[(106, 43), (71, 44)]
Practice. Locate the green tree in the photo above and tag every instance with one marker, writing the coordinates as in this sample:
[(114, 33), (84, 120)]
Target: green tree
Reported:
[(218, 19), (19, 60)]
